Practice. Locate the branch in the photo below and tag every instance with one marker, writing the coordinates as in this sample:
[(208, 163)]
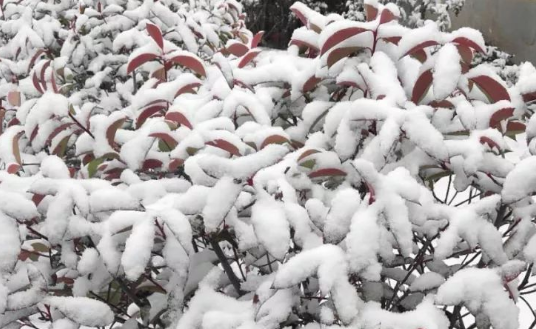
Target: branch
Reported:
[(226, 267)]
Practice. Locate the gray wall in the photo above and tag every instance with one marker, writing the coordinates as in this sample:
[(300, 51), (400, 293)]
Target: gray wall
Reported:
[(508, 24)]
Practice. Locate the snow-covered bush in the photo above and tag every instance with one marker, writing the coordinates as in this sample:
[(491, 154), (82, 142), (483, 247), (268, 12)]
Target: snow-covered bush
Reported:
[(413, 12), (160, 170)]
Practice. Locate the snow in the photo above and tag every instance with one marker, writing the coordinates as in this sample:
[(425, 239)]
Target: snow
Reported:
[(481, 291), (325, 200), (271, 225), (447, 71)]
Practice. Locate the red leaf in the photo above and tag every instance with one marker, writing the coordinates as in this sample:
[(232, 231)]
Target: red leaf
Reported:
[(37, 198), (151, 164), (170, 141), (238, 49), (421, 87), (306, 154), (274, 139), (34, 133), (420, 55), (38, 53), (529, 97), (148, 112), (13, 122), (386, 16), (310, 84), (56, 131), (156, 34), (421, 46), (188, 89), (443, 104), (372, 193), (394, 40), (327, 172), (493, 89), (371, 12), (225, 145), (257, 39), (500, 115), (340, 53), (178, 118), (469, 43), (248, 57), (13, 168), (190, 62), (140, 60), (112, 129), (486, 140), (13, 97), (36, 83), (339, 37), (465, 53), (515, 126), (175, 163), (43, 71)]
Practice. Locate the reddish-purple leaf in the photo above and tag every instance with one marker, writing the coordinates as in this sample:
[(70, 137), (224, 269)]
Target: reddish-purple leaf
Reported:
[(156, 34), (238, 49), (500, 115), (151, 164), (13, 97), (274, 139), (421, 46), (189, 88), (394, 40), (179, 118), (371, 12), (340, 53), (148, 112), (486, 140), (248, 57), (175, 163), (170, 141), (58, 130), (529, 97), (13, 168), (421, 87), (36, 83), (225, 145), (339, 37), (468, 43), (465, 53), (38, 53), (310, 84), (257, 39), (493, 90), (386, 16), (42, 75), (307, 153), (190, 62), (112, 129), (37, 198), (140, 60), (443, 104), (327, 172)]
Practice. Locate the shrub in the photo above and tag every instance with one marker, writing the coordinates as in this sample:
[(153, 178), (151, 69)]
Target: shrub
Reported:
[(160, 170)]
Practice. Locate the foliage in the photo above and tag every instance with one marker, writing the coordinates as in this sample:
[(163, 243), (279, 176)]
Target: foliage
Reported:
[(160, 170)]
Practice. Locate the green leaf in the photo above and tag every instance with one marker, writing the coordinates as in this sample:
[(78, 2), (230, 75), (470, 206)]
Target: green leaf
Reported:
[(93, 166), (40, 247), (308, 163)]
